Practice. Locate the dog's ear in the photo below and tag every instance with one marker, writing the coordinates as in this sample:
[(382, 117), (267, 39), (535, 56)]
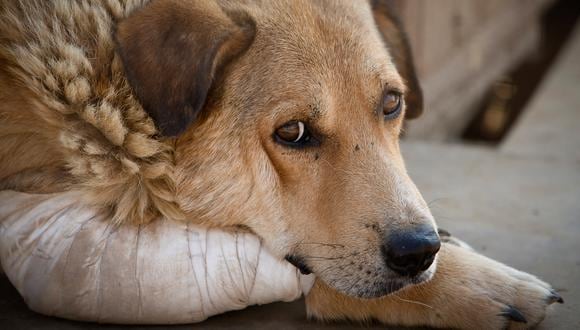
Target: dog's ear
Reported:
[(396, 41), (172, 51)]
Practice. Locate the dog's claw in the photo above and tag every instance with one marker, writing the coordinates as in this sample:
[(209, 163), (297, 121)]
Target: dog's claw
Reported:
[(555, 297), (513, 314)]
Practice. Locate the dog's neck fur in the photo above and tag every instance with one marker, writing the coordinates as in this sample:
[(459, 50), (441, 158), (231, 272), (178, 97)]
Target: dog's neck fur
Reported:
[(96, 135)]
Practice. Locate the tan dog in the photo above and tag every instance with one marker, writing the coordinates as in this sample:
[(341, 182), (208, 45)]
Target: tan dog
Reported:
[(282, 117)]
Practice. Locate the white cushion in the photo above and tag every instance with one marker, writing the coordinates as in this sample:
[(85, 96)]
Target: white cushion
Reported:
[(66, 260)]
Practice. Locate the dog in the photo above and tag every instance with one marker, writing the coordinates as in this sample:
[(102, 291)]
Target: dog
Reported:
[(278, 117)]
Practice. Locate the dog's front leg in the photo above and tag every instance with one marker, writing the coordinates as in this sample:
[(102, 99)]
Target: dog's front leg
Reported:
[(468, 291)]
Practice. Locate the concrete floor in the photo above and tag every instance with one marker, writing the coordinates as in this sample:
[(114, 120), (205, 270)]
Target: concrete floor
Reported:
[(519, 203)]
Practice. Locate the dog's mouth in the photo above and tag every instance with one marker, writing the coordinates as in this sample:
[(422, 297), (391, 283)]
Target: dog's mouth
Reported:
[(377, 289), (393, 285), (299, 263)]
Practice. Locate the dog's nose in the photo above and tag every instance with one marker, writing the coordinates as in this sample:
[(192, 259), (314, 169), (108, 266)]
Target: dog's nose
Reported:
[(411, 252)]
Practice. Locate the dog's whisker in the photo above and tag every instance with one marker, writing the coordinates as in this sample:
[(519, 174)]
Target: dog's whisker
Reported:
[(436, 200), (322, 258), (413, 302), (336, 257), (358, 280), (323, 244), (323, 271)]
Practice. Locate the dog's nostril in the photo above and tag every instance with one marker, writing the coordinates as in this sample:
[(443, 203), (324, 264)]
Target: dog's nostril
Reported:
[(410, 253)]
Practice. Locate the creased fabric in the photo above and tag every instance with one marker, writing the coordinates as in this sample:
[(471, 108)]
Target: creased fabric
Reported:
[(67, 260)]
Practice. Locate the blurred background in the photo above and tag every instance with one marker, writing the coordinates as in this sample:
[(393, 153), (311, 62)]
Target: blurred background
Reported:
[(480, 62), (496, 153)]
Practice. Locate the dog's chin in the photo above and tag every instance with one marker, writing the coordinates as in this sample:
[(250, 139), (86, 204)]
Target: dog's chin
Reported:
[(393, 285)]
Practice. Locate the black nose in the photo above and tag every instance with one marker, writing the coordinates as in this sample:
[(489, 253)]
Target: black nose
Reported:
[(411, 252)]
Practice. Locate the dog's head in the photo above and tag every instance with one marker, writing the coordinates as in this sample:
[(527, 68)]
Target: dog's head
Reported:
[(287, 117)]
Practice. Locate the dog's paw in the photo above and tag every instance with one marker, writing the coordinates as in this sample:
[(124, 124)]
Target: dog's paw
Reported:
[(483, 293), (468, 291)]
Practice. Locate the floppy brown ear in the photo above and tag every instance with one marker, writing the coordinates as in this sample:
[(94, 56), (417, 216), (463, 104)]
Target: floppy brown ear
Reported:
[(172, 50), (396, 41)]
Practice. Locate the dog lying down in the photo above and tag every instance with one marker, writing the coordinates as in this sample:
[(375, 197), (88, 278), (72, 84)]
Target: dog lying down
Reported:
[(160, 160)]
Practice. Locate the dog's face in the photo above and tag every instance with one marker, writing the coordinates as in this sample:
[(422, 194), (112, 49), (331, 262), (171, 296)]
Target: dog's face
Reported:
[(298, 110)]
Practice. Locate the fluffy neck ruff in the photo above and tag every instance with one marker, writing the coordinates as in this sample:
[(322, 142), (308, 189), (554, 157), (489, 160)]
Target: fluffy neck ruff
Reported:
[(63, 52)]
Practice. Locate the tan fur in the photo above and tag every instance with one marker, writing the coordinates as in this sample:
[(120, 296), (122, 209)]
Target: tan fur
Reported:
[(70, 120)]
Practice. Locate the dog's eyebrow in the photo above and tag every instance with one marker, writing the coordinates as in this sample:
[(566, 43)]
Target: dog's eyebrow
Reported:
[(306, 111), (314, 110), (391, 79)]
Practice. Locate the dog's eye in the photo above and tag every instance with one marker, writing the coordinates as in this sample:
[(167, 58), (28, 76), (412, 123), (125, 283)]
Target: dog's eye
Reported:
[(293, 133), (392, 105)]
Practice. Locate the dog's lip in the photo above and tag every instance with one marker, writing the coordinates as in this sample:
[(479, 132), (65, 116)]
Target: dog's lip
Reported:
[(392, 286), (386, 289), (404, 282), (299, 263)]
